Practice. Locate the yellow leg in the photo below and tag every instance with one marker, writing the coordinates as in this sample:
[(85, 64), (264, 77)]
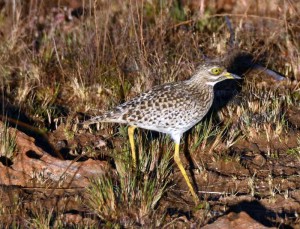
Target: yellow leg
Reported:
[(132, 145), (180, 166)]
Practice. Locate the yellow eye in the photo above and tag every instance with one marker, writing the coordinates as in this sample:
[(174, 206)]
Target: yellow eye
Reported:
[(216, 71)]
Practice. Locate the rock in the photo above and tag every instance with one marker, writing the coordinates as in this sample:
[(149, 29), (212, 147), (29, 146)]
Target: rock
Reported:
[(32, 167), (235, 221)]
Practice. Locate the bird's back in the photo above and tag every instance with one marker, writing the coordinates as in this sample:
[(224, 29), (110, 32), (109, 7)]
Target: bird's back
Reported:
[(166, 108)]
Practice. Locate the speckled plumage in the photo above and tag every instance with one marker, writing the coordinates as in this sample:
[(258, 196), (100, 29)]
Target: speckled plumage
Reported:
[(171, 108)]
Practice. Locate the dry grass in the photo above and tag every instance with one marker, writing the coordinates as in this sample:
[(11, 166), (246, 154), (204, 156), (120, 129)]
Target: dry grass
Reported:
[(54, 65)]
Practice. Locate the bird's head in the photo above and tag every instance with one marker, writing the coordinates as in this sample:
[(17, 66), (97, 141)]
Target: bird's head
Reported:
[(210, 74)]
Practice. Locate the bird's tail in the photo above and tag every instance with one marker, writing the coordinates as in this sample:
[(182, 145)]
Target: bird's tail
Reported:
[(106, 117), (93, 120), (109, 116)]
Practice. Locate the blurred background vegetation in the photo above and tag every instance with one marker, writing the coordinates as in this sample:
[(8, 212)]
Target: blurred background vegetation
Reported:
[(61, 60)]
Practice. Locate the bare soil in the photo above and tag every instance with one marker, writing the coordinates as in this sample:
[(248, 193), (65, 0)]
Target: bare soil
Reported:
[(52, 85)]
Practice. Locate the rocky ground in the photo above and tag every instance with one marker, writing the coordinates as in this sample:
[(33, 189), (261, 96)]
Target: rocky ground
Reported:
[(60, 68)]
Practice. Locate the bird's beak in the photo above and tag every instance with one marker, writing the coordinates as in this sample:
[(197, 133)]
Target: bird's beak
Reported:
[(229, 75)]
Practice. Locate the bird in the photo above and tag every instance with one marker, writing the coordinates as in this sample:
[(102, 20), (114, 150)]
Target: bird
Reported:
[(171, 108)]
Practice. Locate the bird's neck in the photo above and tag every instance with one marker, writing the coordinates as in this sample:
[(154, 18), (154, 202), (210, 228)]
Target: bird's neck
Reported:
[(200, 84)]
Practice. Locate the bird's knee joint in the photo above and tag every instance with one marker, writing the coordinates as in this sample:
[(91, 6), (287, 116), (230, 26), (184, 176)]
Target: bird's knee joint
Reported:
[(177, 159)]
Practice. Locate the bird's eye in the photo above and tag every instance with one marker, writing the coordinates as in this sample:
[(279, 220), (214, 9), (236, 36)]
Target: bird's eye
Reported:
[(216, 71)]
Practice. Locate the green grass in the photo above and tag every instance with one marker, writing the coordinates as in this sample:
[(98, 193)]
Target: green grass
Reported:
[(7, 142), (53, 70), (130, 191)]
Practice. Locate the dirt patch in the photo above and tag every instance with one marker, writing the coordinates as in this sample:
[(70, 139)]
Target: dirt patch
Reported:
[(224, 185), (65, 61)]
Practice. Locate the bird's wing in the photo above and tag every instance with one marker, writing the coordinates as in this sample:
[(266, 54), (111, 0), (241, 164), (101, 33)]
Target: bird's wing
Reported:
[(120, 113)]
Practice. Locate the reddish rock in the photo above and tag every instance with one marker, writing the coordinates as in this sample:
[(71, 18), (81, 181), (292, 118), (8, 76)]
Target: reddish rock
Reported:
[(235, 221), (32, 167)]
